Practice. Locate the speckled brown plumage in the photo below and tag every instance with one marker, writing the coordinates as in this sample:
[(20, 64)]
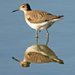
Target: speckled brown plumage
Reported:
[(35, 16)]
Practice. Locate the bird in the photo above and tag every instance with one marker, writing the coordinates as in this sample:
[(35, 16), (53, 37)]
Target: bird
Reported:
[(38, 20)]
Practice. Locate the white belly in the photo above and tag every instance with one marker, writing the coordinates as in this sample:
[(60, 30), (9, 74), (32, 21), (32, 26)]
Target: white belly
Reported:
[(41, 26)]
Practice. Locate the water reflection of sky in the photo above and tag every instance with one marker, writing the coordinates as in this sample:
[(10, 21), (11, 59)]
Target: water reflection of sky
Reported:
[(16, 36)]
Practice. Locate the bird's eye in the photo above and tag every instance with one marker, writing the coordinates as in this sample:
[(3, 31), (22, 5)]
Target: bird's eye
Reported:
[(23, 6)]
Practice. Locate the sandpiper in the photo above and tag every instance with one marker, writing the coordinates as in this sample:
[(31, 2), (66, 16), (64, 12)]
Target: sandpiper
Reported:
[(38, 19)]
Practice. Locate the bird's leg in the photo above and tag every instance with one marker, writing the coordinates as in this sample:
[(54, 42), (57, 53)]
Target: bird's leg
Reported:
[(36, 41), (47, 41), (47, 33), (36, 33)]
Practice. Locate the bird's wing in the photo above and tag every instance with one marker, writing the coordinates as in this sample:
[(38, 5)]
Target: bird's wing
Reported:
[(40, 16)]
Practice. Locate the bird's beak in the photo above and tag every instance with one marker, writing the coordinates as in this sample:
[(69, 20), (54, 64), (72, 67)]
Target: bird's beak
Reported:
[(16, 10)]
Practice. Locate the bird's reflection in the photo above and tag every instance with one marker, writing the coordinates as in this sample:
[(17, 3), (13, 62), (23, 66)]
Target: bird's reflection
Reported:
[(38, 54)]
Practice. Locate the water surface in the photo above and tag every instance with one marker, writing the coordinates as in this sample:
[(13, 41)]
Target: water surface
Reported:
[(16, 36)]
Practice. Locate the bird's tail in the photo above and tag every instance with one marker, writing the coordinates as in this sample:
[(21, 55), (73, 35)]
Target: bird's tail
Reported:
[(60, 17)]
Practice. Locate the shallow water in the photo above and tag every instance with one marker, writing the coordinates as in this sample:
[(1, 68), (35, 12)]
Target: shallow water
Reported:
[(16, 36)]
